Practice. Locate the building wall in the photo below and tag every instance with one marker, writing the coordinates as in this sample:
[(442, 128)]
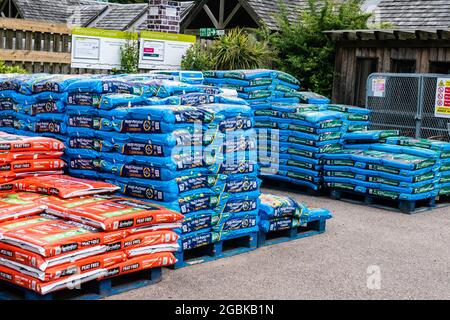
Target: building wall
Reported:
[(352, 64)]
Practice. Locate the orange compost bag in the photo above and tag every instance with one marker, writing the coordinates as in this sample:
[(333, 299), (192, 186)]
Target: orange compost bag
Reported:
[(31, 166), (15, 205), (31, 283), (8, 157), (15, 143), (161, 259), (112, 212), (69, 269), (49, 236), (64, 186)]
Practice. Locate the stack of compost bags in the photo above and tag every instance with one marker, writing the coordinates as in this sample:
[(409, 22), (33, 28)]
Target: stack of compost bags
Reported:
[(22, 156), (305, 133), (74, 232), (441, 150), (358, 119), (38, 103), (189, 147), (279, 213), (383, 170)]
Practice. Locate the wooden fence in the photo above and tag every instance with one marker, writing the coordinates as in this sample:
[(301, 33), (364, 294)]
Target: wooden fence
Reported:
[(37, 46)]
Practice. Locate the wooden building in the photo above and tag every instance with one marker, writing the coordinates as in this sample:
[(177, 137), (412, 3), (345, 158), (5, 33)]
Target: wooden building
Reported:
[(362, 52)]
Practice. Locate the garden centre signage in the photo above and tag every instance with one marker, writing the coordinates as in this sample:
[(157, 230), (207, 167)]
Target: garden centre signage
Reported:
[(159, 50), (98, 48), (442, 107)]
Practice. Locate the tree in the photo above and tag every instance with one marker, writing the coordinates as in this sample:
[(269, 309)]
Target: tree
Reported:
[(304, 50)]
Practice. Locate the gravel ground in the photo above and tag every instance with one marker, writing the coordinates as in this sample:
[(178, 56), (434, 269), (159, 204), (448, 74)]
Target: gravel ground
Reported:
[(410, 253)]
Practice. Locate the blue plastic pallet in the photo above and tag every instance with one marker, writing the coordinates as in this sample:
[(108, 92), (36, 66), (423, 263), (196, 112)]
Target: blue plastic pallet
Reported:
[(218, 250), (93, 290), (311, 229), (404, 206)]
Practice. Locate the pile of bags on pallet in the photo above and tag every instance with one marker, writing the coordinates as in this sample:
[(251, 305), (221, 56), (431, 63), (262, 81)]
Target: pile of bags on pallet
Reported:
[(279, 213), (22, 156), (371, 163), (188, 146), (58, 232), (439, 150)]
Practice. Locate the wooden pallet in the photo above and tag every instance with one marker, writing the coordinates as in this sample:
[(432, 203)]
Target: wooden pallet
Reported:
[(311, 229), (93, 290), (218, 250), (404, 206)]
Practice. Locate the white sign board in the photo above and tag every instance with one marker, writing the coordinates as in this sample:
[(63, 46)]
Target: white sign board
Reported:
[(98, 48), (163, 51), (442, 106)]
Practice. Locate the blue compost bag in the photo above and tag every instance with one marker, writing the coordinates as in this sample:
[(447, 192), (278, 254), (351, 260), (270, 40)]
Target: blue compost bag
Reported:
[(195, 239), (117, 100), (317, 140), (240, 166), (252, 83), (85, 121), (274, 206), (7, 123), (182, 114), (239, 184), (104, 85), (165, 88), (385, 177), (42, 123), (287, 110), (196, 221), (195, 99), (243, 221), (309, 97), (166, 191), (89, 142), (442, 149), (370, 136), (224, 235), (48, 83), (6, 104), (50, 106), (177, 162), (395, 149), (181, 185), (150, 171), (87, 99), (10, 82), (240, 74), (307, 151), (238, 203)]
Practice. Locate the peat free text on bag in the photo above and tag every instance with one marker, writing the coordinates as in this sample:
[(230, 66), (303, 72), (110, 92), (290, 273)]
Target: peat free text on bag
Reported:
[(64, 186), (112, 212)]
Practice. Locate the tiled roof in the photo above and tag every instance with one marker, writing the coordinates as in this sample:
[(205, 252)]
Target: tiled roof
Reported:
[(121, 17), (89, 13), (415, 14), (267, 10)]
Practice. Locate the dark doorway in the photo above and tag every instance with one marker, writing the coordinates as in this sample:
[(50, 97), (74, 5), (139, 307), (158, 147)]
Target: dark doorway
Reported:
[(364, 67)]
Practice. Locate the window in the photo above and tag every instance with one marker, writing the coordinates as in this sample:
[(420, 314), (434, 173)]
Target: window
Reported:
[(364, 67), (403, 66), (439, 67)]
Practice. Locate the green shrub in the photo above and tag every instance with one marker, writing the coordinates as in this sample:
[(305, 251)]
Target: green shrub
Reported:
[(10, 69), (198, 58), (239, 50), (304, 50), (129, 54)]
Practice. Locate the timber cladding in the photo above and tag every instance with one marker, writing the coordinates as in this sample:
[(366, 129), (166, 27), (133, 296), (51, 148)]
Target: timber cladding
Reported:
[(37, 46), (360, 53)]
